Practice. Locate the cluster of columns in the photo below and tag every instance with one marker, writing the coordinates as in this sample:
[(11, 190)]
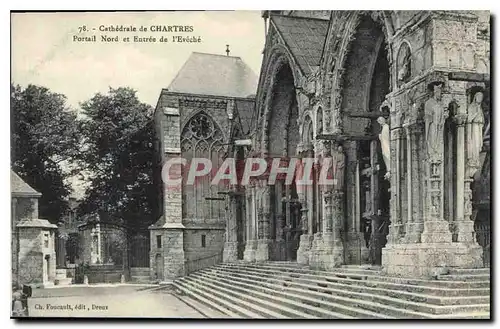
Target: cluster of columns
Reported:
[(423, 235)]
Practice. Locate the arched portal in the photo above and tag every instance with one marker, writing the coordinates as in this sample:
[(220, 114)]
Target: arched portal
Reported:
[(283, 137), (366, 84)]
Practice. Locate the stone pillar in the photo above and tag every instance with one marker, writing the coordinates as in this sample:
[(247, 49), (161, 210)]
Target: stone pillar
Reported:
[(332, 250), (357, 252), (264, 212), (305, 237), (464, 226), (168, 261), (436, 229), (230, 253), (304, 192), (251, 241), (395, 207), (415, 223)]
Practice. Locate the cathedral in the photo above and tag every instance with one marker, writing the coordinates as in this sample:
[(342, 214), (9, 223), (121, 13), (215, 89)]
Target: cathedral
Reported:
[(401, 100)]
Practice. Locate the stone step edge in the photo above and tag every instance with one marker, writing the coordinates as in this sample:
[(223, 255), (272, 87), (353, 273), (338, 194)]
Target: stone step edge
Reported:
[(351, 301), (365, 277), (231, 283), (255, 304), (204, 306), (220, 304), (255, 300), (358, 282), (434, 309), (465, 277), (376, 291), (306, 306)]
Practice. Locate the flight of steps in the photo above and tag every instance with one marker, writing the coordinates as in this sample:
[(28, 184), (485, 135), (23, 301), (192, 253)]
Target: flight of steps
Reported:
[(140, 275), (286, 290), (62, 278)]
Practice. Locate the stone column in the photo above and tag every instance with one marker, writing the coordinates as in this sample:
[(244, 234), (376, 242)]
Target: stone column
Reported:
[(415, 224), (395, 207), (251, 241), (305, 237), (464, 226), (264, 213), (333, 219), (436, 229), (230, 253)]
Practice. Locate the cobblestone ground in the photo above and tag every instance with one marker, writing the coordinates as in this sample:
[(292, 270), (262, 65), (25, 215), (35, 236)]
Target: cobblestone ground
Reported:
[(114, 301)]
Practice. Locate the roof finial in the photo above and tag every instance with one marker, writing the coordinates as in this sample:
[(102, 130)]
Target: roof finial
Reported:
[(227, 50)]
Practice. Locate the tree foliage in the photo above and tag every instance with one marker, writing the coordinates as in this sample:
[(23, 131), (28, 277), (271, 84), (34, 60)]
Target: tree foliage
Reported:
[(44, 138), (118, 137)]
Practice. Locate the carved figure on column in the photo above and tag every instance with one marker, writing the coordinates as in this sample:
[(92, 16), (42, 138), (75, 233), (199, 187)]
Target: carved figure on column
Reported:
[(435, 116), (475, 123), (385, 143), (338, 168)]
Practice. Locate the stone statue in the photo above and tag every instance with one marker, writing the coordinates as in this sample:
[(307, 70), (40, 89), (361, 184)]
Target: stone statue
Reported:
[(338, 166), (475, 123), (385, 140), (435, 116)]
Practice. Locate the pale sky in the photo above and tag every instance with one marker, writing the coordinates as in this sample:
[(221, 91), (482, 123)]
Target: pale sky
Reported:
[(44, 53)]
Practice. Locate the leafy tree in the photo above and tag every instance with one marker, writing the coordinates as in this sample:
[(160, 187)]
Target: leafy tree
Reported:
[(44, 140), (118, 153)]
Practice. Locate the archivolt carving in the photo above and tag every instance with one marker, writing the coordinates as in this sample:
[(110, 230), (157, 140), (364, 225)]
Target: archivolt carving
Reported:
[(350, 28)]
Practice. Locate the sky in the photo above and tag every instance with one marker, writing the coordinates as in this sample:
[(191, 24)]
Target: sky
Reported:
[(44, 53)]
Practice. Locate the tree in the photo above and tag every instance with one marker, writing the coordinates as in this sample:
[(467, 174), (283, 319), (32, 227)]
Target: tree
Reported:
[(118, 153), (44, 138)]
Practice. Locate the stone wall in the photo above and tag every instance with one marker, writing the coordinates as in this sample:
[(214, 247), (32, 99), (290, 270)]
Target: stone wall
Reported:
[(181, 248), (36, 247)]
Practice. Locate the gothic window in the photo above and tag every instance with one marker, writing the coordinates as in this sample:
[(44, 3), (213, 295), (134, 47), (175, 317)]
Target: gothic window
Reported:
[(201, 138)]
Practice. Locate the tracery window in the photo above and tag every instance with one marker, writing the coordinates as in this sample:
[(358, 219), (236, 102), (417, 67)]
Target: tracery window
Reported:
[(201, 138)]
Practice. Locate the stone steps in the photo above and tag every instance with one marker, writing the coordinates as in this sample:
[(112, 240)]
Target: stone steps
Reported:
[(63, 281), (287, 297), (246, 306), (423, 286), (396, 307), (140, 274), (317, 284), (61, 278), (286, 290), (335, 275), (278, 294), (466, 271), (464, 277), (140, 279)]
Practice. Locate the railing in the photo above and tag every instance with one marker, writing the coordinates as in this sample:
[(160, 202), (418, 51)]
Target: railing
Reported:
[(203, 262)]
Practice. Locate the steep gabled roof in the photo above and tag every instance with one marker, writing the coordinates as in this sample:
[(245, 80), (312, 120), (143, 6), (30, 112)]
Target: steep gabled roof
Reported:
[(20, 188), (216, 75), (304, 37)]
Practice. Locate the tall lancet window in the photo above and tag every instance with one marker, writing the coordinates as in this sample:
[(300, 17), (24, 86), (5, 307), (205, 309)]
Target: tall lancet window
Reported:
[(202, 138)]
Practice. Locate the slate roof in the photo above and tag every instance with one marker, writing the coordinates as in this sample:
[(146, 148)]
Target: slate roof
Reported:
[(215, 75), (18, 187), (304, 38)]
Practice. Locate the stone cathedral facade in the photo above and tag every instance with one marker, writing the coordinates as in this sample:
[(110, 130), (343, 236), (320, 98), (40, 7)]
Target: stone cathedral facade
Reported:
[(330, 83)]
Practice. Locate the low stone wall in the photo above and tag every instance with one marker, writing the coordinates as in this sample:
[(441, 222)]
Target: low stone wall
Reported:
[(104, 274), (424, 259)]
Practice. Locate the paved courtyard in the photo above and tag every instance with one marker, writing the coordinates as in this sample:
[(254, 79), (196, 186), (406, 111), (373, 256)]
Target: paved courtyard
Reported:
[(109, 301)]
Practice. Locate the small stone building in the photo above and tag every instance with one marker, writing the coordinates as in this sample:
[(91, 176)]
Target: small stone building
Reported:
[(33, 239), (208, 105)]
